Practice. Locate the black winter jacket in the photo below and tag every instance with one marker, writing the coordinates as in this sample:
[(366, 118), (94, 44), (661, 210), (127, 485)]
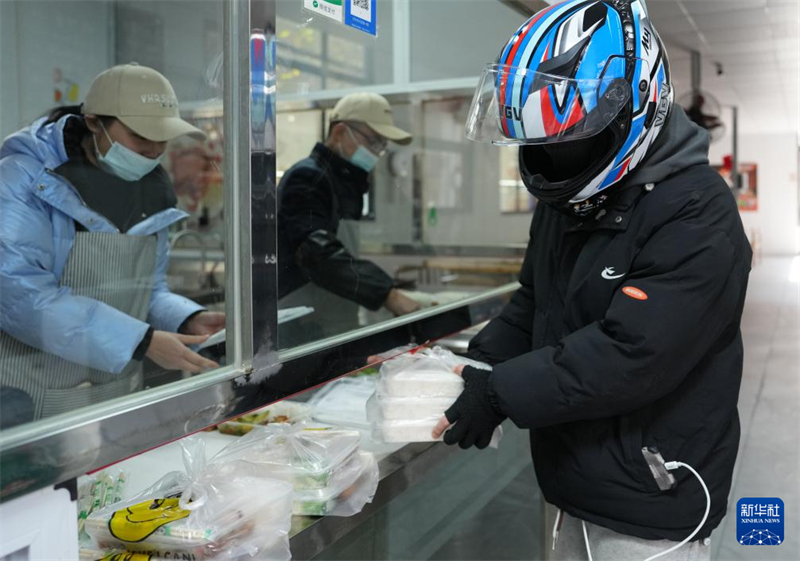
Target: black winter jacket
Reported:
[(626, 333), (313, 196)]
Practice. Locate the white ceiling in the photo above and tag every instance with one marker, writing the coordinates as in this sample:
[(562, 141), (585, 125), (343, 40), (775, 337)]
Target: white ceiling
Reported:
[(757, 42)]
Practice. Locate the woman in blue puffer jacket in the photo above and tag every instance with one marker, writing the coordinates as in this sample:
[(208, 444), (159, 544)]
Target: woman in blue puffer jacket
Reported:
[(84, 212)]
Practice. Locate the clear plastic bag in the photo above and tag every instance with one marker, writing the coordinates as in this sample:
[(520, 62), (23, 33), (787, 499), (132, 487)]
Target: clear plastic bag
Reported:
[(351, 488), (343, 402), (212, 511), (308, 458), (425, 373), (270, 552)]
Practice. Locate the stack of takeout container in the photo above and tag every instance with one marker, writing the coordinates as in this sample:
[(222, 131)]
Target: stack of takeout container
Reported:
[(413, 392)]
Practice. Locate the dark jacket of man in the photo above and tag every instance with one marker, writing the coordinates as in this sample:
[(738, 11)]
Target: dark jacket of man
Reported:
[(313, 196), (625, 334)]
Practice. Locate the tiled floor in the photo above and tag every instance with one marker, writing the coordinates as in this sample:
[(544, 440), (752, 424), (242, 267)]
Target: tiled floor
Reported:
[(769, 406)]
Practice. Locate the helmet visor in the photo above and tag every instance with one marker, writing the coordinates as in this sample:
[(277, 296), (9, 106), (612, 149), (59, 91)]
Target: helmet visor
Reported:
[(521, 106)]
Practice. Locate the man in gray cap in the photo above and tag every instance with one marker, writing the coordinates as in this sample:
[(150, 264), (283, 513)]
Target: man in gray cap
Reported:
[(317, 266), (85, 209)]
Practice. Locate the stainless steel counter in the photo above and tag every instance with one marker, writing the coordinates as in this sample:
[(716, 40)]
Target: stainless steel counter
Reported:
[(398, 471), (427, 492)]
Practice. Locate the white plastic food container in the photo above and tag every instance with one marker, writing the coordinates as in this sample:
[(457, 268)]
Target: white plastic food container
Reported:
[(404, 430), (422, 378), (399, 408)]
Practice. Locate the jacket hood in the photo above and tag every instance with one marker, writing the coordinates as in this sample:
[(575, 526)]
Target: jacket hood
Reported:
[(682, 144), (44, 143)]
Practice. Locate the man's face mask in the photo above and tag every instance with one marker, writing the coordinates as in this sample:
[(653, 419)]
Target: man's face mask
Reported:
[(362, 157), (122, 161)]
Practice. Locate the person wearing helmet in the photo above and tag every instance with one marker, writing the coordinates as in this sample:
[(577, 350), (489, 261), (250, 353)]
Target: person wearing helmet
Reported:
[(85, 208), (318, 199), (625, 333)]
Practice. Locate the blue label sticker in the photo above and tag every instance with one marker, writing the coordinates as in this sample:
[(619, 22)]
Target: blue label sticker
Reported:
[(759, 521), (361, 15)]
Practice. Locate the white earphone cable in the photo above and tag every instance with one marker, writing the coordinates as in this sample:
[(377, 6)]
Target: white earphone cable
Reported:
[(670, 466)]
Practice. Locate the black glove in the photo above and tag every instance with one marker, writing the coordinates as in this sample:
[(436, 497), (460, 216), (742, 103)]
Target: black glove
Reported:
[(475, 412)]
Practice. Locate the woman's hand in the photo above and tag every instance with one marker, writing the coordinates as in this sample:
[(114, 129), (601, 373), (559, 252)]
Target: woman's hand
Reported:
[(169, 351), (205, 323), (400, 304)]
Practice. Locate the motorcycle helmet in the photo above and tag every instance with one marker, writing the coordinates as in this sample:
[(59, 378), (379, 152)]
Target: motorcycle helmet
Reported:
[(589, 74)]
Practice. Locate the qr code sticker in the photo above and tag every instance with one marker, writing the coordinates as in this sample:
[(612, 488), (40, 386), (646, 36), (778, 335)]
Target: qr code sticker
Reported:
[(361, 9)]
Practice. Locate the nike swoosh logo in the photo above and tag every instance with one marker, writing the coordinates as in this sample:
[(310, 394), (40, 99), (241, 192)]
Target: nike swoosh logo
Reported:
[(608, 274)]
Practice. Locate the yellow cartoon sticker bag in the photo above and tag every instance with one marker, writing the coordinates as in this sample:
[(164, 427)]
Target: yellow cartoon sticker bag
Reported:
[(136, 522), (220, 510), (127, 556)]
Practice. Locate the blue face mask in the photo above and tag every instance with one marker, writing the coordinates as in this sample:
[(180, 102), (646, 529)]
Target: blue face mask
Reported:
[(124, 162), (363, 157)]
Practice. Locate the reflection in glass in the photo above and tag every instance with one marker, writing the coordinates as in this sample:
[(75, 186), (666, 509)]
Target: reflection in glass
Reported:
[(316, 54), (92, 182), (434, 211), (320, 200)]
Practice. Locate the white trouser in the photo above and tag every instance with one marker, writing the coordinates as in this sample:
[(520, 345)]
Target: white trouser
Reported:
[(607, 545)]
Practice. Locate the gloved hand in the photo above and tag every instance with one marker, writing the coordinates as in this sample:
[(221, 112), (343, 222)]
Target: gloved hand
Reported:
[(475, 412)]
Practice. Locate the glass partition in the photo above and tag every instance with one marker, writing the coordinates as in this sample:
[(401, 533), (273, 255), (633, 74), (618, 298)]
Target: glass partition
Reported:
[(107, 293), (112, 218), (385, 210), (447, 42)]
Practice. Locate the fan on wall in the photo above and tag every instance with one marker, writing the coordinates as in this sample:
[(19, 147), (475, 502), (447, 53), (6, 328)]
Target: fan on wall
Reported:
[(704, 109)]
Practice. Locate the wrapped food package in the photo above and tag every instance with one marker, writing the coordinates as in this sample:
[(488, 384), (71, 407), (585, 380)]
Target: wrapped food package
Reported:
[(349, 490), (413, 392), (413, 424), (329, 474), (216, 511), (308, 458)]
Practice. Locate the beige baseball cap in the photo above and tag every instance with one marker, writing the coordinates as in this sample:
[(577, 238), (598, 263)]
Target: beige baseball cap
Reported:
[(142, 99), (373, 110)]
